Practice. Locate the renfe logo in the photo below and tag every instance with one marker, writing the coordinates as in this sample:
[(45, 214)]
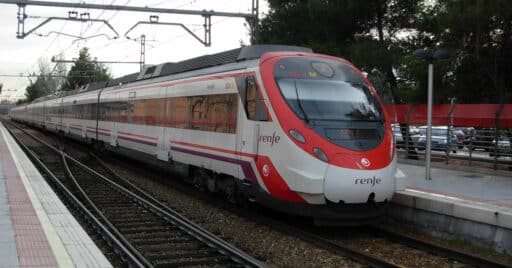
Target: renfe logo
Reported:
[(371, 181), (266, 170), (270, 139)]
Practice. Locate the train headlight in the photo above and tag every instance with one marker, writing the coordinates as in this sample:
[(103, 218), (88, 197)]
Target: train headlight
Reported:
[(297, 136), (320, 154)]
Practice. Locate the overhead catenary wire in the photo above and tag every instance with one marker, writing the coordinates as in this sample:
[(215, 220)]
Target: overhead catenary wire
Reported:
[(63, 46), (197, 28)]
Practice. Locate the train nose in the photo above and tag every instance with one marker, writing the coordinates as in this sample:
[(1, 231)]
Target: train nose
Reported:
[(358, 186)]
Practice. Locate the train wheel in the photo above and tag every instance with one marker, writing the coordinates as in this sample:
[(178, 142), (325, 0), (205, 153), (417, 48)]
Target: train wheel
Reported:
[(200, 179), (231, 191), (211, 184)]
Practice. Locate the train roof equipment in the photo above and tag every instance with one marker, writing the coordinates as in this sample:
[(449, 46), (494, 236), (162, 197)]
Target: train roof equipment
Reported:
[(201, 62)]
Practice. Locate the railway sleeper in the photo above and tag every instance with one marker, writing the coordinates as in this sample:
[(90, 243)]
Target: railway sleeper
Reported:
[(169, 238), (144, 229), (132, 224), (173, 247), (120, 215), (208, 262), (111, 201), (141, 236), (118, 207), (143, 242), (177, 255), (136, 222)]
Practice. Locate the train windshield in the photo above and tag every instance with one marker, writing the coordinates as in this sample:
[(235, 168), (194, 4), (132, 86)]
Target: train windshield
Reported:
[(333, 99), (319, 89)]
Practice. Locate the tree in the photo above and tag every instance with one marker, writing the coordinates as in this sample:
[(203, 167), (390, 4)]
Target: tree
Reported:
[(326, 26), (46, 82), (60, 71), (478, 35), (85, 71)]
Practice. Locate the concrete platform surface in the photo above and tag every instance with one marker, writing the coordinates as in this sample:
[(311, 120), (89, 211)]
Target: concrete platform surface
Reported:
[(465, 184), (36, 228), (463, 204)]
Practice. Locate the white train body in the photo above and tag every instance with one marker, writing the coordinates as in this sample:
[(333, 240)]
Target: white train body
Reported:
[(244, 120)]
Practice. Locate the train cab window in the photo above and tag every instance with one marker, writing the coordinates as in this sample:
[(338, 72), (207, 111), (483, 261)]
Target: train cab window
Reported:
[(251, 99)]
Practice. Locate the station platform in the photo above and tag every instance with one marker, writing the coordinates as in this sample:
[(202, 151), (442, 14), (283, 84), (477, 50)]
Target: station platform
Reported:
[(470, 204), (36, 229)]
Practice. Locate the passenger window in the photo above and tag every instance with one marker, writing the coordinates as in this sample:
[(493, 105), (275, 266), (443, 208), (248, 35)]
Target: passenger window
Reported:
[(139, 112), (180, 108), (199, 108)]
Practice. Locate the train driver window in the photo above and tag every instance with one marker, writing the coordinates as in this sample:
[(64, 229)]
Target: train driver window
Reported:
[(251, 98)]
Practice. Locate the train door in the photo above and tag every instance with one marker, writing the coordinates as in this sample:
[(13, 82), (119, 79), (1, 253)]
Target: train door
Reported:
[(159, 113), (108, 116)]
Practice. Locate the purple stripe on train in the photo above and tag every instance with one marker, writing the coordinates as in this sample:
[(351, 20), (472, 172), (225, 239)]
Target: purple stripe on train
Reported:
[(137, 140), (101, 133), (246, 166)]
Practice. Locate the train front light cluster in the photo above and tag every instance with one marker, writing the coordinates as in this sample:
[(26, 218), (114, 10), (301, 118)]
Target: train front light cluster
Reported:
[(297, 136), (320, 154)]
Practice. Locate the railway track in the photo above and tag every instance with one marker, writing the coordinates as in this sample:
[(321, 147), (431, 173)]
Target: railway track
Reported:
[(145, 233)]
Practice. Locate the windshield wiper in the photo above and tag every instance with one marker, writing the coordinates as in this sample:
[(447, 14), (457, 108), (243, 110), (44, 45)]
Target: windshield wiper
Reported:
[(300, 103)]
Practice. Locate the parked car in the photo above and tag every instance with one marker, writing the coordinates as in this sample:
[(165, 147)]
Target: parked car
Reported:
[(397, 134), (483, 139), (399, 139), (504, 147), (470, 134), (439, 141), (461, 136)]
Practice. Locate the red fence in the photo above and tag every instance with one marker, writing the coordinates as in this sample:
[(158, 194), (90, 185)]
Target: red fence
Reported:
[(469, 115)]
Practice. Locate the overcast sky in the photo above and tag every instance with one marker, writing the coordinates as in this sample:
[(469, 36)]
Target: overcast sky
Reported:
[(163, 43)]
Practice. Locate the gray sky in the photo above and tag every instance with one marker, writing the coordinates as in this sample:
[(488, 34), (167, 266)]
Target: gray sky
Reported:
[(163, 43)]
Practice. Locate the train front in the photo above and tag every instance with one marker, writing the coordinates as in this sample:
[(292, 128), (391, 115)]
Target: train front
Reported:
[(340, 155)]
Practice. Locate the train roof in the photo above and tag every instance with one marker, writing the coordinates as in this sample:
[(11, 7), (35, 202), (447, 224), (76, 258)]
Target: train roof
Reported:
[(169, 68), (225, 57)]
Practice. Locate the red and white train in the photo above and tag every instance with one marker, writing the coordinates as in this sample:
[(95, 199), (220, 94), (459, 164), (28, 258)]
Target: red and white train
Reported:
[(299, 132)]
